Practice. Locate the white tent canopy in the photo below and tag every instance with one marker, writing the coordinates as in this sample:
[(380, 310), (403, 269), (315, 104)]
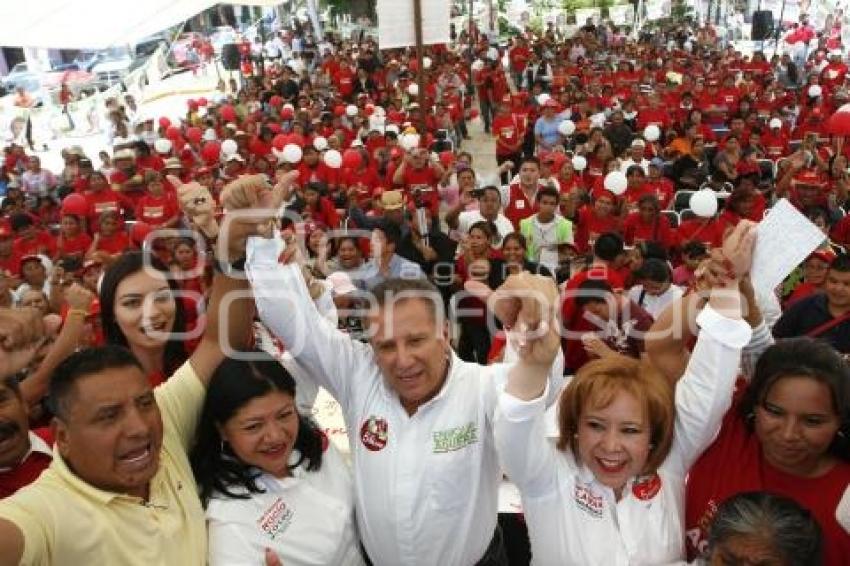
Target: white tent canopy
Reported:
[(94, 24)]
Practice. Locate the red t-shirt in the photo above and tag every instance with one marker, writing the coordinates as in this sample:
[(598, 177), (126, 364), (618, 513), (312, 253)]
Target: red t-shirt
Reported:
[(114, 244), (635, 230), (11, 263), (735, 464), (27, 471), (700, 230), (519, 206), (43, 243), (590, 226), (156, 210), (100, 202), (425, 180), (574, 353), (77, 245), (507, 133)]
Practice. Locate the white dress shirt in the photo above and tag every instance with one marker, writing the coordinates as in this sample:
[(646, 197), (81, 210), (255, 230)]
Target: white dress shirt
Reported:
[(306, 519), (574, 519), (654, 304), (425, 485)]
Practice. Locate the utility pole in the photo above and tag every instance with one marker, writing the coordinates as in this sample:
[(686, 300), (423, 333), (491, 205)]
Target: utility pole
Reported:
[(420, 70)]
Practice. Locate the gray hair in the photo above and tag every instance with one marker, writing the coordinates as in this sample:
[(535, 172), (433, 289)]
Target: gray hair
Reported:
[(789, 528), (397, 289)]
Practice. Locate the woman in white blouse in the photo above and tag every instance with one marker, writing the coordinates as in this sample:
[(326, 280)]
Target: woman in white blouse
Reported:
[(268, 478), (611, 489)]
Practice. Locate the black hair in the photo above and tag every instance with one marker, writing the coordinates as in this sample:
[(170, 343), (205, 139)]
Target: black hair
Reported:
[(656, 270), (546, 192), (129, 263), (81, 364), (652, 250), (530, 159), (806, 357), (234, 384), (841, 263), (593, 291), (492, 188), (608, 246), (20, 221), (391, 231), (518, 237), (694, 249)]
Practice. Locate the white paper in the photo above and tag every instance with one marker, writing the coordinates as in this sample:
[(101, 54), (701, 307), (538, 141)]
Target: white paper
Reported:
[(509, 498), (783, 239), (395, 22)]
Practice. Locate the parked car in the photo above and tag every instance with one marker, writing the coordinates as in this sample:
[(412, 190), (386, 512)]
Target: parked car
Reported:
[(20, 75), (114, 64)]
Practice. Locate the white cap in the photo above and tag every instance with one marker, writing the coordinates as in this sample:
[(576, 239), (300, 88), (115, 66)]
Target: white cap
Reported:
[(775, 123)]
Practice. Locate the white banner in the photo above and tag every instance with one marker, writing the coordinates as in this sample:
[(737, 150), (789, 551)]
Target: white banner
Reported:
[(622, 15), (657, 9), (583, 13), (395, 23)]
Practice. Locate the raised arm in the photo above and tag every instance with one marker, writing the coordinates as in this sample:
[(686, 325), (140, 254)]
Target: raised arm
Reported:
[(704, 394)]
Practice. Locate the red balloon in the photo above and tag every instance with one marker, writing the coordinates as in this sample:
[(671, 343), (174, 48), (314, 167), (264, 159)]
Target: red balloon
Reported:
[(228, 112), (351, 159), (75, 204), (164, 122), (339, 110), (194, 134), (276, 101), (211, 152), (280, 141), (193, 105), (172, 133), (447, 158), (202, 101)]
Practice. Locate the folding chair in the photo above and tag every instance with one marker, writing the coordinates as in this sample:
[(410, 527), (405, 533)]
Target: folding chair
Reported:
[(672, 216), (682, 200)]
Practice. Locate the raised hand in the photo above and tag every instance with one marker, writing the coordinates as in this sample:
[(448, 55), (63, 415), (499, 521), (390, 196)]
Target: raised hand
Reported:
[(22, 331), (197, 204)]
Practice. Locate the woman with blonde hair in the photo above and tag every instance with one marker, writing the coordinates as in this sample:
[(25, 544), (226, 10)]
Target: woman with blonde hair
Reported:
[(611, 490)]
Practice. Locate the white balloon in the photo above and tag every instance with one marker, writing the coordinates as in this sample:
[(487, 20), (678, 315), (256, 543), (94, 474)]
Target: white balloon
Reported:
[(409, 141), (292, 153), (567, 128), (320, 143), (351, 110), (815, 91), (579, 163), (333, 159), (229, 147), (616, 182), (413, 90), (426, 62), (704, 203), (775, 123), (652, 133), (209, 135), (477, 65), (162, 145), (542, 98)]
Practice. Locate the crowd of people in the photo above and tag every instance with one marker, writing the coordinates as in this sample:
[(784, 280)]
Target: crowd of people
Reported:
[(577, 320)]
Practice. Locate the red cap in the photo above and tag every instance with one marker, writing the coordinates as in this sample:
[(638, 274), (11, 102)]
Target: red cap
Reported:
[(824, 255), (808, 177)]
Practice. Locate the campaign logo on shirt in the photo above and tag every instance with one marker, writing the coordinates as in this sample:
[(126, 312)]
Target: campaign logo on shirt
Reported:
[(373, 433), (455, 438), (646, 487), (588, 502), (276, 519)]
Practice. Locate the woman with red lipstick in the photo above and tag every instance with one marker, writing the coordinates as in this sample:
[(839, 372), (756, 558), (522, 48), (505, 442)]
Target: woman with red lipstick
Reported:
[(267, 476), (612, 489)]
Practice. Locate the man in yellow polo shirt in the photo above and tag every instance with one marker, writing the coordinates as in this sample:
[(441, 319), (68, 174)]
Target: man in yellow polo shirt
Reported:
[(120, 488)]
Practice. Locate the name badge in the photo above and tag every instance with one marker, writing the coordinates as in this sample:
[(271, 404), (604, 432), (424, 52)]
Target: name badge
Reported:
[(520, 205)]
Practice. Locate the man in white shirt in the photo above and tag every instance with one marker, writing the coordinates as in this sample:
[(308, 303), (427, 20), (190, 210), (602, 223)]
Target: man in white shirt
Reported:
[(425, 467), (636, 157), (489, 210), (655, 290)]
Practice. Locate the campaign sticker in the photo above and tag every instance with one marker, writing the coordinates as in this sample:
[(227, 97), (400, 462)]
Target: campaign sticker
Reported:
[(373, 433), (647, 487)]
